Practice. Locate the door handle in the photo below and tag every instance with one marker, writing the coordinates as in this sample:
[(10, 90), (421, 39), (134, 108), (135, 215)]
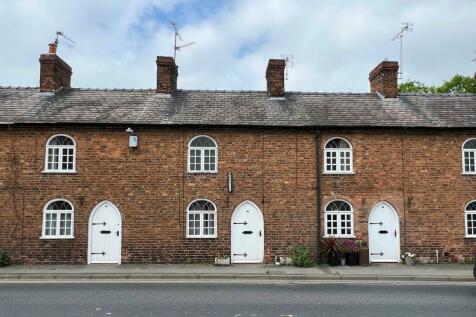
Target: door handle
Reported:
[(117, 233), (260, 233), (395, 233)]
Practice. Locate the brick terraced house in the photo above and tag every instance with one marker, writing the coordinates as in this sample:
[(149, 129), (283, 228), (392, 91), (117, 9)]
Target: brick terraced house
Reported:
[(169, 175)]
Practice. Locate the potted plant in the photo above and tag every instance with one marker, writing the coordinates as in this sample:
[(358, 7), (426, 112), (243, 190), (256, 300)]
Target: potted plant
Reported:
[(408, 258), (351, 252), (331, 249), (222, 261), (301, 256), (4, 258)]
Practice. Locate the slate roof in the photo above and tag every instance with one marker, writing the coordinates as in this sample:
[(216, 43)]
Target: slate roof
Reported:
[(21, 105)]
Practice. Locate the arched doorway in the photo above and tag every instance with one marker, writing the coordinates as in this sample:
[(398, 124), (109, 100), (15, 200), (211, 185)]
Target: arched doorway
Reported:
[(105, 233), (247, 234)]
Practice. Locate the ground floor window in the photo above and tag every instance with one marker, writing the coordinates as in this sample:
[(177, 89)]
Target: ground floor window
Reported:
[(339, 219), (470, 215), (58, 219), (201, 219)]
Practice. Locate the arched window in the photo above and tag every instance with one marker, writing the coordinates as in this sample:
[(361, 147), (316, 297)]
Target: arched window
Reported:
[(469, 156), (202, 155), (60, 154), (201, 219), (339, 219), (338, 156), (470, 217), (58, 219)]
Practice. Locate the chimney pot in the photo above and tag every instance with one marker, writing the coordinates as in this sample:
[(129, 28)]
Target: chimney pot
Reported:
[(52, 48), (167, 73), (275, 77), (55, 73), (383, 79)]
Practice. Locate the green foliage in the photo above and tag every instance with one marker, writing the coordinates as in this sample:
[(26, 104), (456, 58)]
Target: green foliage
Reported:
[(457, 84), (413, 86), (4, 258), (301, 256)]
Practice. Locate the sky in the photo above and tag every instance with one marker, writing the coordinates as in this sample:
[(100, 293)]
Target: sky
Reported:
[(335, 44)]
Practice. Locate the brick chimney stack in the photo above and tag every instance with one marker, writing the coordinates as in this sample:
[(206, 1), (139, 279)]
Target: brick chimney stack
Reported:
[(383, 79), (55, 73), (275, 77), (167, 73)]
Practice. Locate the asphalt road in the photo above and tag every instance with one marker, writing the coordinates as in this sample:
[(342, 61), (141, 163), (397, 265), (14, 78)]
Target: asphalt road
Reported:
[(237, 299)]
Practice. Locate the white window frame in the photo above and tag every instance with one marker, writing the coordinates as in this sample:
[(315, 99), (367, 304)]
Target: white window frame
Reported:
[(201, 213), (202, 155), (339, 213), (466, 213), (469, 152), (60, 158), (58, 220), (339, 153)]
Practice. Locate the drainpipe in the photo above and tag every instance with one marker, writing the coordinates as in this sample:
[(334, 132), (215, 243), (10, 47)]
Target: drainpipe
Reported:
[(318, 194)]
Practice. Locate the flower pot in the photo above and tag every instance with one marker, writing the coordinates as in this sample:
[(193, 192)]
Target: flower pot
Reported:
[(409, 261), (342, 260), (352, 259), (222, 261), (333, 259), (364, 256)]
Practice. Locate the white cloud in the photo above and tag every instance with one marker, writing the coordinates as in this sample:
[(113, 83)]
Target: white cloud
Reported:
[(335, 43)]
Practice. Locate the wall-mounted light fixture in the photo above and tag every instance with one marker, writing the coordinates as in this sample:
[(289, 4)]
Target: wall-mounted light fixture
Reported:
[(133, 139), (230, 182)]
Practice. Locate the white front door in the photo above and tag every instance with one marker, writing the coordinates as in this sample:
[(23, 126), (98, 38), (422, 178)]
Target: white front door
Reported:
[(384, 234), (105, 234), (247, 234)]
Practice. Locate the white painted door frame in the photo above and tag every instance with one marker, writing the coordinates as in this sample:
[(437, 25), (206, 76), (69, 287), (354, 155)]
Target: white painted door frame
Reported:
[(396, 258), (91, 217), (261, 242)]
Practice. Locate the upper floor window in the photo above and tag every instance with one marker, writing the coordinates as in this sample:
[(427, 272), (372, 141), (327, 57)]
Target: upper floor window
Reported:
[(60, 154), (338, 156), (470, 219), (339, 221), (58, 219), (201, 219), (469, 156), (202, 155)]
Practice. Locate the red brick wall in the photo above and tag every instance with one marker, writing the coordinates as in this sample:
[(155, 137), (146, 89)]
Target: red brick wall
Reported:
[(420, 175), (150, 186)]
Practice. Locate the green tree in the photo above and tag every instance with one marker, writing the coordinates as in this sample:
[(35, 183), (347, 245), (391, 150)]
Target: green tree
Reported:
[(457, 84), (413, 86)]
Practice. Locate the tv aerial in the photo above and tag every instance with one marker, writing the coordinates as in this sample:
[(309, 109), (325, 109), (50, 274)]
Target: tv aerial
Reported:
[(406, 27), (58, 34), (178, 37), (289, 62)]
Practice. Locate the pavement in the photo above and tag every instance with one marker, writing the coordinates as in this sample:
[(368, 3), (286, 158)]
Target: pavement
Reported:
[(384, 272)]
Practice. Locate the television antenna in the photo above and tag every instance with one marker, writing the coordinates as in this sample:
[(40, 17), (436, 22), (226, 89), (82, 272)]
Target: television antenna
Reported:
[(179, 37), (406, 27), (58, 34), (289, 62)]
